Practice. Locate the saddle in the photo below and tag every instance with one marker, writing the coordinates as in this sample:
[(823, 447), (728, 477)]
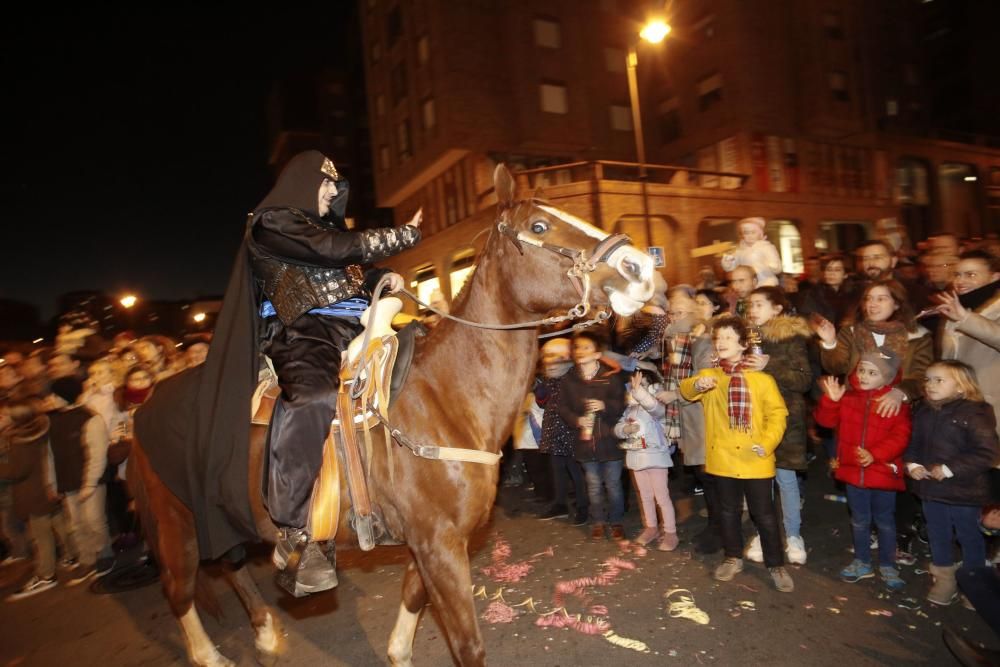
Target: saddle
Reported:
[(362, 405)]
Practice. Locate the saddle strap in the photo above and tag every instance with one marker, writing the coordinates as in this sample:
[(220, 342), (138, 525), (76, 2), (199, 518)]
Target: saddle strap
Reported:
[(324, 506), (356, 483)]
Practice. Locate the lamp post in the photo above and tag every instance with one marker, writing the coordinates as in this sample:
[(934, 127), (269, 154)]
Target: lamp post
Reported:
[(653, 32)]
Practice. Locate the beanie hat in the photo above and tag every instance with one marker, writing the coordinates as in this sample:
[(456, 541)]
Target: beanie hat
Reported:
[(760, 222), (67, 388), (885, 361)]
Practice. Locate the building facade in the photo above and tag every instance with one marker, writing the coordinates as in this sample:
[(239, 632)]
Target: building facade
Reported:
[(818, 115)]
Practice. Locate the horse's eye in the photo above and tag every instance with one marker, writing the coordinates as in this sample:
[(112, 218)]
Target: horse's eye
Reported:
[(539, 227)]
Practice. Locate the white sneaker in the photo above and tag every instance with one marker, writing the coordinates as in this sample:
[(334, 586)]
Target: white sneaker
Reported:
[(754, 552), (795, 551)]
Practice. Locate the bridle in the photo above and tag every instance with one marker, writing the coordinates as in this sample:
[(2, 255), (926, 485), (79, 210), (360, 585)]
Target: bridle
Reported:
[(583, 263)]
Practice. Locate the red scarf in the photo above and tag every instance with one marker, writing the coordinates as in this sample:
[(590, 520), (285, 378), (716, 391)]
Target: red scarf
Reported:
[(739, 397)]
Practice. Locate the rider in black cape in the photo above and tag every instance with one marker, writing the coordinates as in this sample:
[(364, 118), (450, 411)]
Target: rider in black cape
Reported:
[(295, 293)]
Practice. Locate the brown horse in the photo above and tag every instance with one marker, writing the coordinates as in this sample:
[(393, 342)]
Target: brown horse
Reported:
[(464, 389)]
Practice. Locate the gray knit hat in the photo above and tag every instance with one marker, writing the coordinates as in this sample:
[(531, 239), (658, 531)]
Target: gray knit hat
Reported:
[(885, 360)]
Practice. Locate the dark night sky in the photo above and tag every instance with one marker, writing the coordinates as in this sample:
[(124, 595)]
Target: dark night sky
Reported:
[(134, 148)]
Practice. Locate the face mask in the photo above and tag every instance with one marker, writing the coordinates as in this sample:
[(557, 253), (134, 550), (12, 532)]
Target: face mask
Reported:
[(134, 396)]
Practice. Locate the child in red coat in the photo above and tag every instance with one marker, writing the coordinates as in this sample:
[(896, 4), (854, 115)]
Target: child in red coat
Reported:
[(869, 460)]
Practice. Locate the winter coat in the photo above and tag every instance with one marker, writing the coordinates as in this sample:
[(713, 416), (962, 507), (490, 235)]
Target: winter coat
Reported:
[(26, 468), (918, 355), (728, 451), (692, 440), (859, 426), (785, 341), (761, 255), (79, 441), (557, 437), (643, 409), (834, 305), (976, 342), (608, 385), (960, 434)]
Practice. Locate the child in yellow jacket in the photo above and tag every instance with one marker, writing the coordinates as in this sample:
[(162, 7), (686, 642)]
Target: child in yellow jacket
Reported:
[(745, 419)]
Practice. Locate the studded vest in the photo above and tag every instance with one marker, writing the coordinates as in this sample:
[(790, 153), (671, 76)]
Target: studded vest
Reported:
[(295, 288)]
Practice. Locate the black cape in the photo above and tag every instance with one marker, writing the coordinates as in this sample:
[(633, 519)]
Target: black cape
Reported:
[(195, 428)]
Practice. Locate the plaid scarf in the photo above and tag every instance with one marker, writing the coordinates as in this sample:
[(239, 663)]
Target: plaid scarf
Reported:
[(678, 364), (739, 398)]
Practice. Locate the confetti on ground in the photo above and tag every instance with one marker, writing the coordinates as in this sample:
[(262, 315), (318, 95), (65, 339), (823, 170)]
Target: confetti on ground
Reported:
[(625, 642), (879, 612), (809, 605), (749, 589), (840, 598), (833, 610), (747, 605), (498, 612), (501, 570), (684, 607)]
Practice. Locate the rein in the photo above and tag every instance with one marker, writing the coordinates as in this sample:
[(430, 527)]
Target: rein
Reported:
[(579, 274)]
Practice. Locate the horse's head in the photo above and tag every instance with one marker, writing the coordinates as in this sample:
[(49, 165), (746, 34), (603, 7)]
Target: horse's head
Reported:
[(560, 259)]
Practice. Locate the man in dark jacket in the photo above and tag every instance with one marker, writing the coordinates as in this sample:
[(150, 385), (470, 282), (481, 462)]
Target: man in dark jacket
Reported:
[(308, 265), (592, 399)]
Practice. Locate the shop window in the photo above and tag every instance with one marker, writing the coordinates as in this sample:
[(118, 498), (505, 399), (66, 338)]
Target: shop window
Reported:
[(842, 236), (425, 282), (784, 234)]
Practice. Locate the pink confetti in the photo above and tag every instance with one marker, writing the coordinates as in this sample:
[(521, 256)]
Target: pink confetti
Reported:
[(503, 572), (599, 610), (498, 612)]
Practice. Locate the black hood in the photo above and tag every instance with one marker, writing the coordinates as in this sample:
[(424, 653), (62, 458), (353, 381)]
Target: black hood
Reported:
[(298, 187)]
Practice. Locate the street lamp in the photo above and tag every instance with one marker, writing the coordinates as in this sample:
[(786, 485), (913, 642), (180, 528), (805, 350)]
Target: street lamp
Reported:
[(198, 317), (653, 32), (128, 300)]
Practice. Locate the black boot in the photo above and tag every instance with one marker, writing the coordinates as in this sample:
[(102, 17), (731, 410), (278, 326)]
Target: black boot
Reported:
[(303, 568)]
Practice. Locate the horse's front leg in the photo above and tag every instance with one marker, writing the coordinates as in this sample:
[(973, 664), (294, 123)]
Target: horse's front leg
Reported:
[(443, 562), (413, 601)]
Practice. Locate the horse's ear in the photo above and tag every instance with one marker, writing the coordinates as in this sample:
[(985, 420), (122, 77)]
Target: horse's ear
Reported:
[(503, 184)]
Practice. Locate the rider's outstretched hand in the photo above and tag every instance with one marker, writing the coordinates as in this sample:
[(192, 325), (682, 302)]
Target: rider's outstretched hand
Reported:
[(395, 282)]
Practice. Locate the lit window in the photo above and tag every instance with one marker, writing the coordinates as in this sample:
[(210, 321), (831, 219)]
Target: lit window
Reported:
[(621, 118), (789, 245), (376, 52), (461, 268), (553, 98), (614, 59), (709, 91), (426, 282), (379, 105), (423, 50), (547, 33), (428, 114), (383, 157)]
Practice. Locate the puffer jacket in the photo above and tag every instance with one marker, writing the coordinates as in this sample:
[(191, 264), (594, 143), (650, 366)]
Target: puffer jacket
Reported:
[(960, 434), (729, 452), (785, 341), (643, 409), (859, 426)]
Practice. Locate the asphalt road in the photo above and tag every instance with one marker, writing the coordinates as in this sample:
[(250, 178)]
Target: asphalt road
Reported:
[(824, 622)]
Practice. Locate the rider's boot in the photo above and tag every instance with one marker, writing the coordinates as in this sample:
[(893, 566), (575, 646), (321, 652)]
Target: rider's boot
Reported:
[(303, 567)]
